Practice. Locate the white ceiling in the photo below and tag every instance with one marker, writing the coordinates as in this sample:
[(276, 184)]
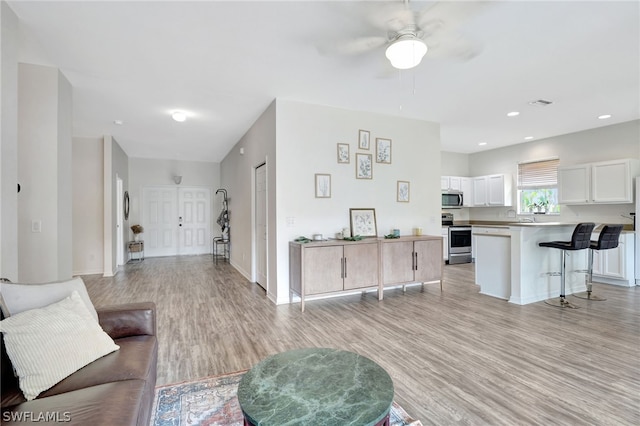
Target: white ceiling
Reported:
[(224, 63)]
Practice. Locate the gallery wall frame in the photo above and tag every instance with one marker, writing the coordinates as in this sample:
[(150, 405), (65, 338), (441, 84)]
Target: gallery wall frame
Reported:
[(364, 166), (343, 153), (323, 185), (383, 150), (403, 191), (363, 222), (364, 137)]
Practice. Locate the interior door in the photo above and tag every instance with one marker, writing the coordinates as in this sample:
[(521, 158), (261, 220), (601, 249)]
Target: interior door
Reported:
[(194, 220), (261, 225), (159, 220)]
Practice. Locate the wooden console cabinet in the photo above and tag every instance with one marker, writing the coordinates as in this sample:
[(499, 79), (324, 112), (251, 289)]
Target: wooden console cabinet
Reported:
[(332, 266), (411, 260), (337, 266)]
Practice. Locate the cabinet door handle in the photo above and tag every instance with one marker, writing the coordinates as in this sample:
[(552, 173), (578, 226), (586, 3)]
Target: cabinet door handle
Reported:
[(345, 267), (415, 262), (342, 267)]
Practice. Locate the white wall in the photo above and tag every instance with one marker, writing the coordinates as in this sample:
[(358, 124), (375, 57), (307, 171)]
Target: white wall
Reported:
[(44, 171), (604, 143), (237, 177), (454, 164), (8, 143), (88, 206), (116, 163), (304, 138)]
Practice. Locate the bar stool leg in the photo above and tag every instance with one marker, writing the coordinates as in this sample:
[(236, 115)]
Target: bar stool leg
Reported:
[(589, 281), (562, 301)]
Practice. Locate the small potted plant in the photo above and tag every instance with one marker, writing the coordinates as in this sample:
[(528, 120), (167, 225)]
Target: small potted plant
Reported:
[(137, 230)]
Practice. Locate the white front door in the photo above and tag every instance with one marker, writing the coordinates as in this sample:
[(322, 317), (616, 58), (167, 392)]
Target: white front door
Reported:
[(194, 205), (261, 226), (176, 220), (160, 220)]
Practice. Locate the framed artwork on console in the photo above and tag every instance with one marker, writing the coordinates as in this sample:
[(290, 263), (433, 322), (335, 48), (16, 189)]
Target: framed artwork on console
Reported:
[(363, 222)]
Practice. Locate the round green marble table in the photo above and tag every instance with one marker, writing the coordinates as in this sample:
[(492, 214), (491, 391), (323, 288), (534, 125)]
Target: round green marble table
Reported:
[(316, 386)]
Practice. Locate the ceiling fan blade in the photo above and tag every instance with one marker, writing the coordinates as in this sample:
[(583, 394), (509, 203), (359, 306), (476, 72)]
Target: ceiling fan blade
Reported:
[(355, 46), (451, 14), (451, 45), (390, 17)]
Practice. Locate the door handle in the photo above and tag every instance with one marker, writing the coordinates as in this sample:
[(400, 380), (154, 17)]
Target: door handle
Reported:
[(345, 267)]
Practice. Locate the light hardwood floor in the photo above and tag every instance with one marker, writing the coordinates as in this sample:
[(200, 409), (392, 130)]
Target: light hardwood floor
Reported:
[(455, 357)]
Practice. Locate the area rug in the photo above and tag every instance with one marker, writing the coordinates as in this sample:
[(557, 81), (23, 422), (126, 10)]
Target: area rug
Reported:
[(212, 401)]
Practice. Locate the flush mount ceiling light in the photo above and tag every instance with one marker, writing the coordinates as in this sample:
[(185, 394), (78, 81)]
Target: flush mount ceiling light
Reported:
[(482, 143), (604, 117), (118, 122), (528, 138), (406, 51), (179, 116), (513, 114)]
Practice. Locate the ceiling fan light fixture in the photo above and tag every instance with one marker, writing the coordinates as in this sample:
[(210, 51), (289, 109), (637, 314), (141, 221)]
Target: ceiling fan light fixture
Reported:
[(406, 52)]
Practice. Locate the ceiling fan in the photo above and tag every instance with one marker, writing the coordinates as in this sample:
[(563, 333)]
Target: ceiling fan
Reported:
[(407, 34)]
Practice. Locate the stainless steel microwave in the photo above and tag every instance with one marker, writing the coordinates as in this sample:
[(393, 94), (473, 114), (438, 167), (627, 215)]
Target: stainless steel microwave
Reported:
[(452, 199)]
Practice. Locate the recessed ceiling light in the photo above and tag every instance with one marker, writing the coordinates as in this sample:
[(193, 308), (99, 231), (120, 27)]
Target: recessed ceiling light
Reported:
[(528, 138), (604, 117), (179, 116), (513, 114), (118, 122), (482, 143)]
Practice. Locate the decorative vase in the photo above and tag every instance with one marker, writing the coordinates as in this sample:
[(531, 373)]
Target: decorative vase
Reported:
[(136, 237)]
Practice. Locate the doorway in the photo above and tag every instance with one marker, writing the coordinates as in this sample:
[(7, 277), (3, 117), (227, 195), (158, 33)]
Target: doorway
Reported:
[(176, 221), (260, 230), (119, 222)]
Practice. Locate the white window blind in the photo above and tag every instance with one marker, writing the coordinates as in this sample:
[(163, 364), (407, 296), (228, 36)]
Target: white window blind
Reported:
[(538, 174)]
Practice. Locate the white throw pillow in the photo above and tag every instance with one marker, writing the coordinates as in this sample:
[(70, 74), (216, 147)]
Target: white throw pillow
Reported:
[(22, 297), (47, 344)]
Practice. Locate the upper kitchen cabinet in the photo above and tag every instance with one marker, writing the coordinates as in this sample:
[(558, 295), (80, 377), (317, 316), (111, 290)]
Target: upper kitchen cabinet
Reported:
[(605, 182), (451, 183), (492, 191)]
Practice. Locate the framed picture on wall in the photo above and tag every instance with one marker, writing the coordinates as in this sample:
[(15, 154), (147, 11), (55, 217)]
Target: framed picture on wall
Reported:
[(363, 139), (323, 185), (383, 150), (343, 153), (363, 222), (363, 166), (403, 191)]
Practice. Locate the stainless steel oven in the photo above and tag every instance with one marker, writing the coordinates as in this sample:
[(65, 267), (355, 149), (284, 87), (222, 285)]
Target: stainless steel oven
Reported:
[(459, 244), (459, 248)]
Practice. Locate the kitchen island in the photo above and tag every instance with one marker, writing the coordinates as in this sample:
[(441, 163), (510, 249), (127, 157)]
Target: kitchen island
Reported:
[(510, 264)]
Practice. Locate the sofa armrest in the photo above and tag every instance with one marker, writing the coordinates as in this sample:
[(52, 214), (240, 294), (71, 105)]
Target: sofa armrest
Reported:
[(131, 319)]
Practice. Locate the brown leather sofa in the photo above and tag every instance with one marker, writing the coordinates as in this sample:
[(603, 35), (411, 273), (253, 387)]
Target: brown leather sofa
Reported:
[(117, 389)]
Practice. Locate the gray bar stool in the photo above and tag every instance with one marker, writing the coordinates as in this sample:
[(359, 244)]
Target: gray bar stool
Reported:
[(580, 240), (608, 239)]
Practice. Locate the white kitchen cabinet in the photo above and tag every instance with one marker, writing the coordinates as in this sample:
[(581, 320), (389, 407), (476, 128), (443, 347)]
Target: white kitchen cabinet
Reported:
[(615, 266), (451, 183), (492, 191), (604, 182), (480, 191), (467, 193), (493, 261), (445, 243)]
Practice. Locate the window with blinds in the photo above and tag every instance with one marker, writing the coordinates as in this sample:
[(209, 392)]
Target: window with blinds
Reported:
[(538, 187), (538, 174)]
